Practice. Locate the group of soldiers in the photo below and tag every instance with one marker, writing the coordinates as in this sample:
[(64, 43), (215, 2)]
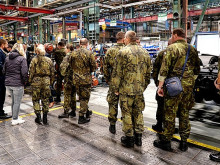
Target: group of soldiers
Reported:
[(41, 78), (127, 69)]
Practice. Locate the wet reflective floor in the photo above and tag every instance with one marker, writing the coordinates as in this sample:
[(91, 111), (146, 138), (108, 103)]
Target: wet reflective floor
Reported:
[(65, 142)]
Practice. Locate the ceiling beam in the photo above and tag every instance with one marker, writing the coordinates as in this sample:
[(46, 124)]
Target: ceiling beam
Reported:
[(20, 19), (26, 9)]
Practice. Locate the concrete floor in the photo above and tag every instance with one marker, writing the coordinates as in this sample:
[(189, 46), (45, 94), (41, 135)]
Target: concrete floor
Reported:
[(63, 141)]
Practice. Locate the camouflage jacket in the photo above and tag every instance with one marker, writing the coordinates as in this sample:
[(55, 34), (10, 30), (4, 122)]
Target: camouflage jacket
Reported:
[(65, 68), (58, 56), (157, 65), (174, 60), (82, 62), (110, 60), (41, 71), (131, 73)]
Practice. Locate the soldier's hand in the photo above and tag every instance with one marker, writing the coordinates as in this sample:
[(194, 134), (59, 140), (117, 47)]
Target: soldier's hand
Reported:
[(160, 92), (117, 93)]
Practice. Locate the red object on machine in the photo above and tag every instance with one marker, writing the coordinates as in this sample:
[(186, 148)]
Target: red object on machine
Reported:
[(26, 9), (95, 82), (48, 47), (22, 19)]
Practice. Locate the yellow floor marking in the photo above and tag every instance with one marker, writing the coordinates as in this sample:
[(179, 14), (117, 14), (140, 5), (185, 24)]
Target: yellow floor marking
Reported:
[(149, 129)]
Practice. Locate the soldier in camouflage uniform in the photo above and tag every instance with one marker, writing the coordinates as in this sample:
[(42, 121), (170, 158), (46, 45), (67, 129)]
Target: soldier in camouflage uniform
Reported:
[(69, 89), (108, 67), (41, 73), (160, 100), (83, 64), (172, 66), (58, 56), (130, 78)]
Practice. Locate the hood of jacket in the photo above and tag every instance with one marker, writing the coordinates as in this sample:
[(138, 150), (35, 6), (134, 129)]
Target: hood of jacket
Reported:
[(14, 54)]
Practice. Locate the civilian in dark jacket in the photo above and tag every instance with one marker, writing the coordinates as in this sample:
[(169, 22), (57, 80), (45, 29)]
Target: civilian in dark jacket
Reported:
[(16, 74), (3, 45)]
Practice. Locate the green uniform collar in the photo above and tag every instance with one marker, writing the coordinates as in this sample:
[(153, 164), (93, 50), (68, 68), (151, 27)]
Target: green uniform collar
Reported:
[(180, 41), (119, 44), (132, 43)]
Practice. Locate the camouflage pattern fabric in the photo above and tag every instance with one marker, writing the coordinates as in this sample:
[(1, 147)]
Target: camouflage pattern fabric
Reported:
[(58, 56), (84, 92), (82, 62), (172, 65), (109, 60), (131, 74), (41, 74), (40, 93), (157, 65), (132, 107), (69, 89), (112, 99), (69, 97)]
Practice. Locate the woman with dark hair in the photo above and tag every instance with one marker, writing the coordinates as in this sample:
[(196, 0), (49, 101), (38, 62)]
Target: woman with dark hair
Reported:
[(16, 74)]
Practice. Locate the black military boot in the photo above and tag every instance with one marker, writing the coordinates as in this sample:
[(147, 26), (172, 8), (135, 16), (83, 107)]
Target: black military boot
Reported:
[(45, 118), (38, 118), (63, 115), (127, 141), (215, 157), (164, 145), (112, 129), (183, 146), (157, 127), (72, 113), (88, 113), (83, 120), (138, 139)]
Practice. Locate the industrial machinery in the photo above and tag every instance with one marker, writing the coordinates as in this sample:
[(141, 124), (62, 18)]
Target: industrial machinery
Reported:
[(207, 45)]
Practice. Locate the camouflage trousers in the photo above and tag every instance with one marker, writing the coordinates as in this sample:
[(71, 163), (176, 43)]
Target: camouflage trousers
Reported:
[(160, 109), (69, 97), (83, 91), (113, 107), (59, 85), (40, 93), (181, 103), (132, 107)]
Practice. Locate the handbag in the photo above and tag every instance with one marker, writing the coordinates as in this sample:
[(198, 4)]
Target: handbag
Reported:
[(173, 84)]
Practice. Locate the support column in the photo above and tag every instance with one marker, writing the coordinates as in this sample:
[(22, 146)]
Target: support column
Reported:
[(32, 27), (132, 16), (48, 31), (69, 38), (40, 30), (64, 28), (176, 13), (185, 15), (15, 31), (122, 13), (80, 24), (202, 16)]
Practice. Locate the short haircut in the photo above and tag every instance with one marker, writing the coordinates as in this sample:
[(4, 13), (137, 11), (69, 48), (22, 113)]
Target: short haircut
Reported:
[(68, 46), (40, 50), (77, 46), (120, 36), (131, 35), (180, 32), (137, 38), (2, 41), (10, 46), (61, 43), (83, 41)]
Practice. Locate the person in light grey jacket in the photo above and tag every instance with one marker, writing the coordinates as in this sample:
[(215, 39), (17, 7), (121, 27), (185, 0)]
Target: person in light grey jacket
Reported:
[(16, 74)]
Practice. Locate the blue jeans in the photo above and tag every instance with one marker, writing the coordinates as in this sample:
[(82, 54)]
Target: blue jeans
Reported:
[(16, 95)]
